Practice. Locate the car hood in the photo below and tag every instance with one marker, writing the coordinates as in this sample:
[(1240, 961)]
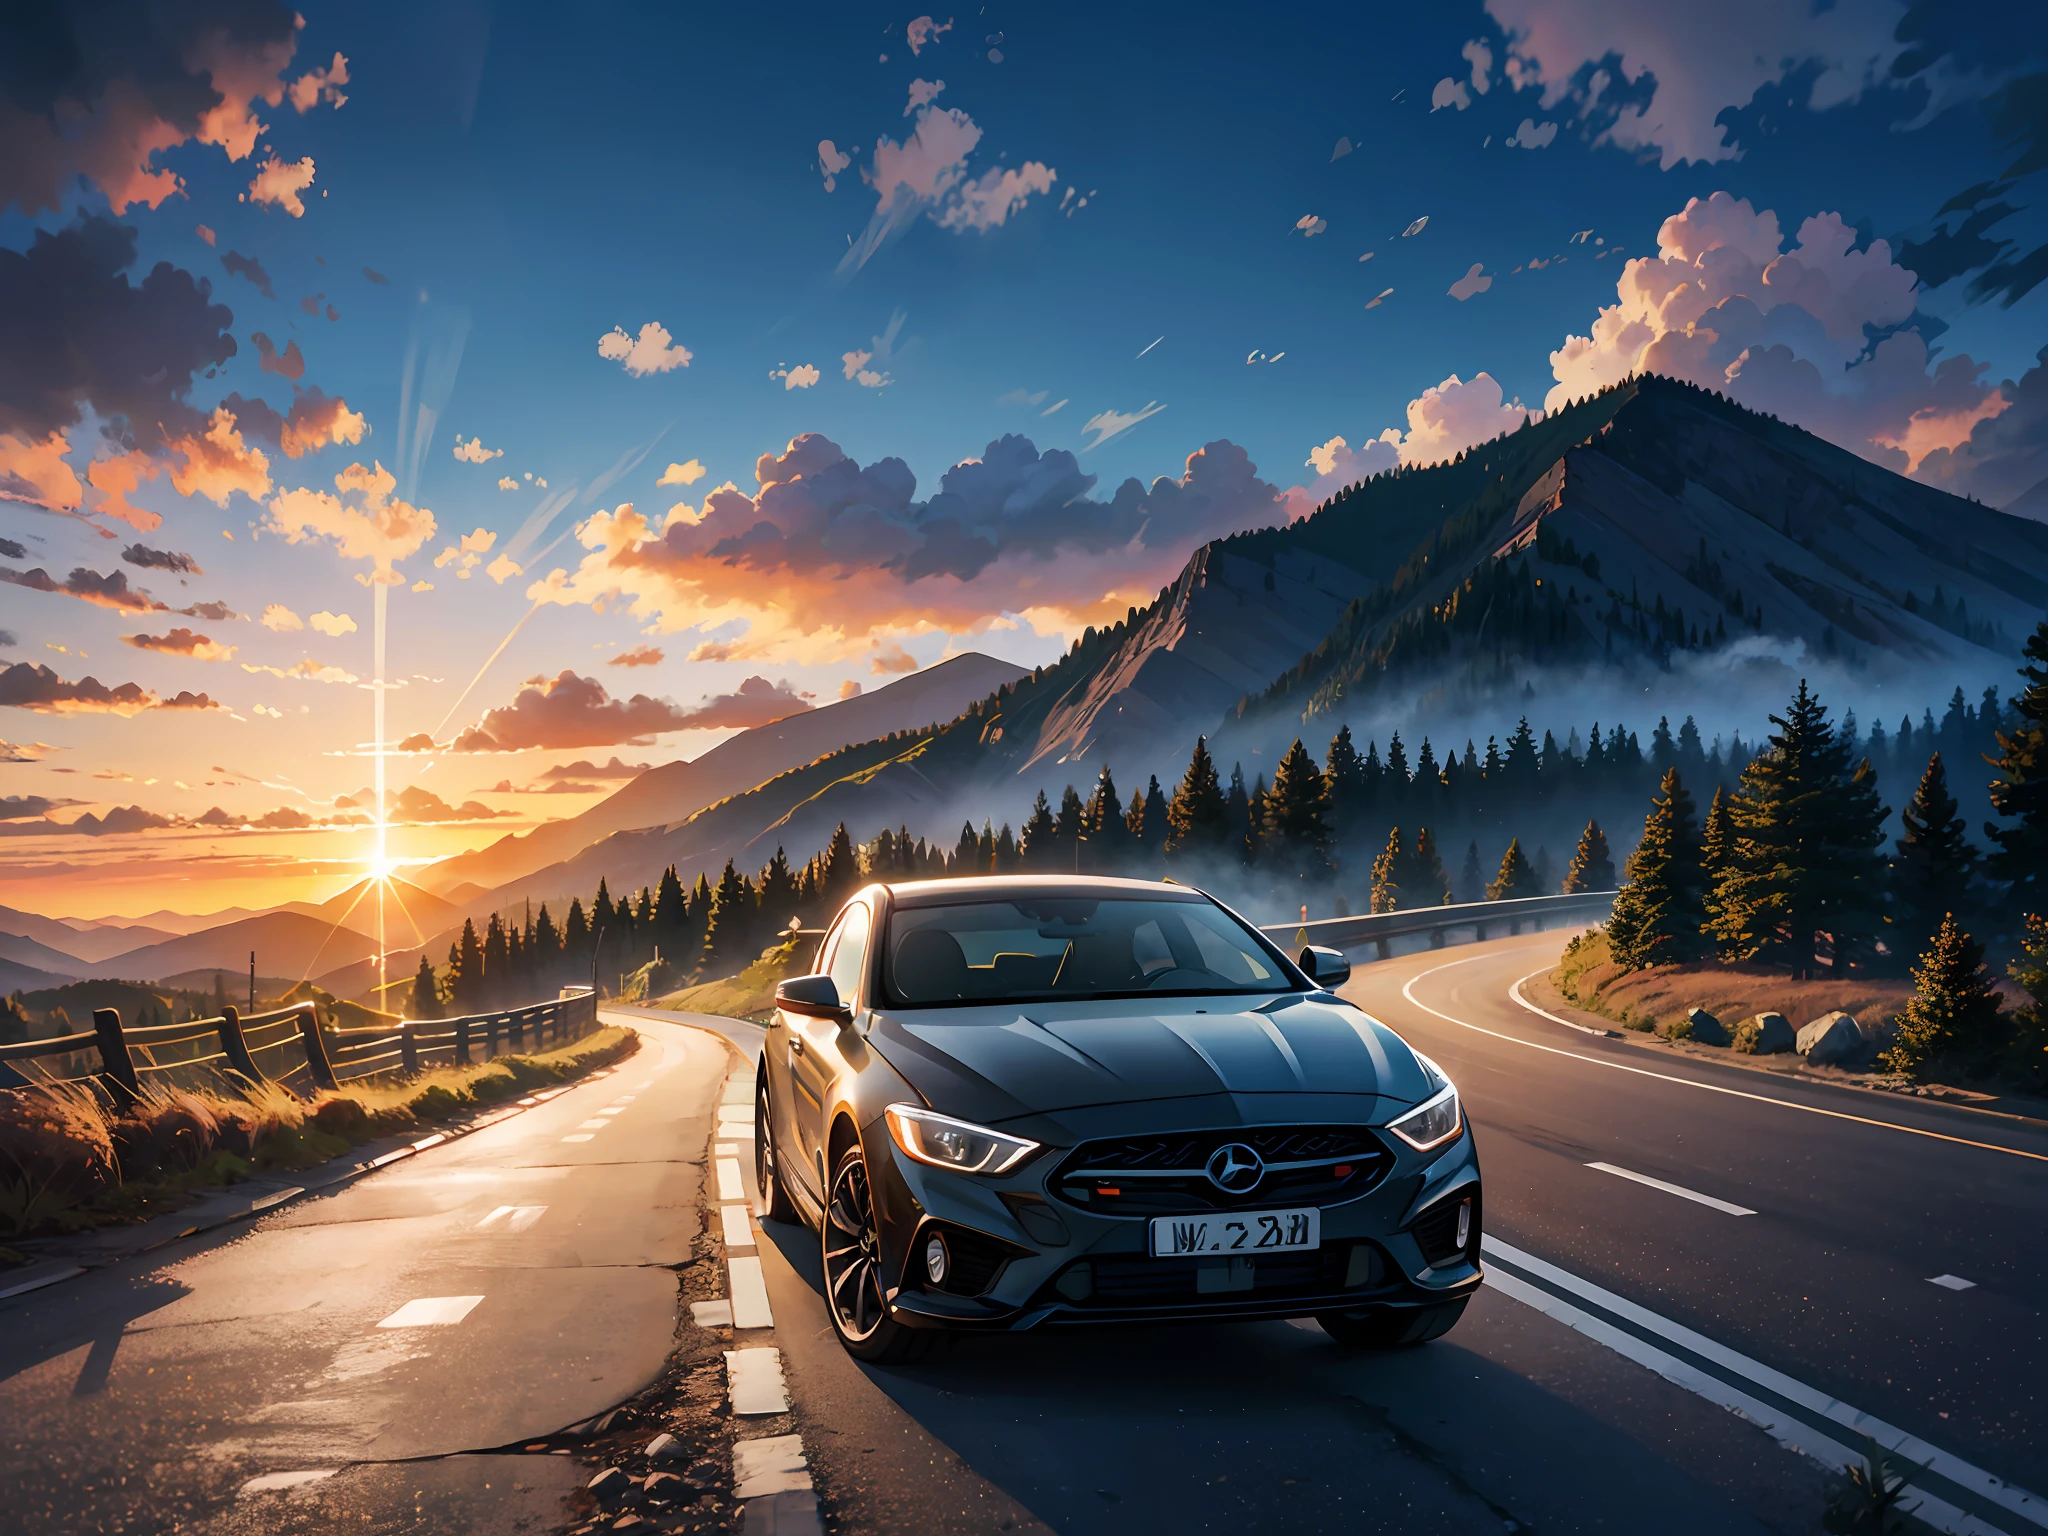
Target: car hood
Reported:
[(995, 1063)]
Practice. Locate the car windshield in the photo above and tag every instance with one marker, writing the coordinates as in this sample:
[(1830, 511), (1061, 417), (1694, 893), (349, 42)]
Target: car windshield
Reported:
[(1067, 947)]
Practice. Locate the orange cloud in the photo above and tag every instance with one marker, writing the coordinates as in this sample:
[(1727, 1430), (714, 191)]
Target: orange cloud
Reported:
[(278, 184), (639, 656), (116, 479), (33, 470), (181, 642), (365, 522), (219, 463), (28, 686)]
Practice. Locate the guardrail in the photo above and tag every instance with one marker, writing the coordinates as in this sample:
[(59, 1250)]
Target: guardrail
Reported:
[(1377, 928), (286, 1045)]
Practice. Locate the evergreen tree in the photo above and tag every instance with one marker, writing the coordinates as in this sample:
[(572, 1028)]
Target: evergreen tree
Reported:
[(1254, 822), (1658, 912), (1931, 874), (698, 919), (466, 981), (1109, 841), (1717, 859), (1196, 822), (576, 941), (1344, 778), (2027, 1048), (728, 934), (1516, 879), (604, 921), (988, 848), (1520, 769), (1007, 860), (1592, 866), (1428, 883), (545, 957), (1296, 820), (671, 917), (426, 993), (1953, 1018), (964, 859), (1158, 820), (1387, 871), (1069, 829), (841, 875), (496, 988), (2020, 790), (1039, 836), (779, 897), (1472, 877)]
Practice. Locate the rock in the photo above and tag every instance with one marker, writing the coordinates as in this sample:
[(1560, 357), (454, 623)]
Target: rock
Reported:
[(705, 1474), (1833, 1037), (666, 1486), (1765, 1034), (1703, 1028), (665, 1448), (631, 1523), (611, 1486)]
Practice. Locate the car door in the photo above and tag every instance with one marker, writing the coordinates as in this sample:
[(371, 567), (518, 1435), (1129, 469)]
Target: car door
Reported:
[(815, 1059)]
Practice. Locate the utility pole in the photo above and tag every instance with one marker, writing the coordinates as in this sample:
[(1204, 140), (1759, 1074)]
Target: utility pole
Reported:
[(252, 981)]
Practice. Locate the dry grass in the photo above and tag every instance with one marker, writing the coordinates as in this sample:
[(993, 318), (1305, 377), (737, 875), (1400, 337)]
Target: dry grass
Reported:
[(749, 995), (68, 1161), (1656, 998)]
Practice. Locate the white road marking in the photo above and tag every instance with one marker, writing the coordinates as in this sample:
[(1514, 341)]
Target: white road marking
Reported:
[(711, 1314), (271, 1482), (512, 1218), (432, 1312), (1515, 992), (276, 1197), (1799, 1436), (1408, 992), (1952, 1282), (749, 1293), (726, 1149), (432, 1141), (755, 1379), (739, 1232), (593, 1125), (729, 1185), (1674, 1189), (42, 1280), (585, 1136), (771, 1465)]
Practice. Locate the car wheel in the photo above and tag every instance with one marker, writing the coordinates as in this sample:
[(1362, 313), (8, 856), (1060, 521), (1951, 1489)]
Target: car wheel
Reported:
[(775, 1202), (1391, 1327), (853, 1272)]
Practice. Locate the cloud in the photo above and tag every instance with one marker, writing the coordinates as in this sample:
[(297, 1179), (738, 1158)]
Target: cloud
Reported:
[(1112, 423), (278, 184), (314, 422), (26, 685), (849, 688), (649, 353), (160, 560), (638, 656), (333, 625), (1311, 226), (218, 462), (10, 549), (927, 175), (1699, 61), (100, 95), (250, 268), (1011, 397), (364, 523), (108, 591), (571, 711), (206, 234), (181, 642), (35, 471), (892, 658), (23, 807), (280, 618), (1056, 405), (1344, 147), (291, 364), (377, 277), (25, 751), (502, 568), (1480, 57), (479, 541), (218, 613), (1726, 305), (306, 670), (1449, 93), (1443, 421), (1414, 229), (583, 768), (830, 163), (2005, 454), (922, 94), (829, 552), (122, 818), (686, 474), (318, 85), (987, 202), (507, 483), (1531, 135), (924, 30), (803, 376), (1474, 281), (414, 806), (474, 451)]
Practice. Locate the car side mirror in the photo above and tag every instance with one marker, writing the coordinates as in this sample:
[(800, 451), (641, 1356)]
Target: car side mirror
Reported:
[(813, 997), (1327, 968)]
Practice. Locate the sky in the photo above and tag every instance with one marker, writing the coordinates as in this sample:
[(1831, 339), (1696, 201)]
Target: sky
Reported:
[(656, 372)]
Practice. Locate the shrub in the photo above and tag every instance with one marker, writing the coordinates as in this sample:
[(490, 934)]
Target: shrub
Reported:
[(1954, 1017), (55, 1153)]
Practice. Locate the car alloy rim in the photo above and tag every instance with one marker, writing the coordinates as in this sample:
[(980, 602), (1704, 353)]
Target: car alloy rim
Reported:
[(853, 1281)]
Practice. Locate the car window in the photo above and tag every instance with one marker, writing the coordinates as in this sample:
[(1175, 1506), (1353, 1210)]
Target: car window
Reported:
[(849, 952), (1071, 947)]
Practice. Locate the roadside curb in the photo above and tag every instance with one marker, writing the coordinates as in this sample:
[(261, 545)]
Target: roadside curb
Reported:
[(62, 1269)]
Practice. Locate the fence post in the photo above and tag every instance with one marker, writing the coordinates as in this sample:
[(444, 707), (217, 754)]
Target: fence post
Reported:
[(1479, 933), (1436, 938), (516, 1021), (408, 1049), (462, 1042), (116, 1065), (235, 1046), (317, 1065)]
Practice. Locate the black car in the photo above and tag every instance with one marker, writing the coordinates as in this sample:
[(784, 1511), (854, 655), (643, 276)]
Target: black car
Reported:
[(1013, 1101)]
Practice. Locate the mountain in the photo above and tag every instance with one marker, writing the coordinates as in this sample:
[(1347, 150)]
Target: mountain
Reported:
[(676, 791), (286, 944), (411, 913), (16, 977), (42, 958)]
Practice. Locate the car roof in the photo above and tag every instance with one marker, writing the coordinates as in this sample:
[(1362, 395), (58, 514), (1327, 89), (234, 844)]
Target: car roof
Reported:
[(1006, 887)]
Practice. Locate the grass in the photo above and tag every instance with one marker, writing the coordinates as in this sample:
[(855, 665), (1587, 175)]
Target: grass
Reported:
[(69, 1162), (749, 995), (1657, 998)]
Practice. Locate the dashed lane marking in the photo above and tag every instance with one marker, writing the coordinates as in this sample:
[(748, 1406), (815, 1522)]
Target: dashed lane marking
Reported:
[(512, 1218), (729, 1185), (1674, 1189), (273, 1482), (1408, 991), (581, 1136), (1952, 1282), (593, 1125), (432, 1312)]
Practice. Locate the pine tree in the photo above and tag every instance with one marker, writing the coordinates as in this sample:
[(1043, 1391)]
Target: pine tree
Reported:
[(1158, 820), (1658, 913), (2020, 791), (779, 898), (545, 954), (1717, 859), (841, 876), (1387, 871), (2027, 1048), (1472, 877), (496, 989), (466, 981), (1038, 851), (603, 920), (1931, 873), (963, 860), (1069, 829), (727, 937), (1007, 859), (1428, 884), (1592, 867), (1953, 1018), (426, 993), (1196, 823), (697, 920), (576, 941), (1345, 779), (671, 914), (1297, 819), (1109, 841), (1516, 879)]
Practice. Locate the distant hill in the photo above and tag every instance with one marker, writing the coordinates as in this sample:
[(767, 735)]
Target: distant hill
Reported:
[(286, 944), (40, 958), (676, 791), (16, 977)]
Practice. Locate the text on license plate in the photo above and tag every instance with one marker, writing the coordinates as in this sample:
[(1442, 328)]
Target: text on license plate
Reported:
[(1240, 1232)]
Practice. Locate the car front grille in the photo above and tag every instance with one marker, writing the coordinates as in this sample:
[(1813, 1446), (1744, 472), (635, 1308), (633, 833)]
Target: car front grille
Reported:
[(1163, 1174), (1132, 1280)]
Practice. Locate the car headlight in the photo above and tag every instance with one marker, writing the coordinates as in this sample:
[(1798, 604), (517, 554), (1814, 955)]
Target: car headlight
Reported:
[(1432, 1122), (956, 1144)]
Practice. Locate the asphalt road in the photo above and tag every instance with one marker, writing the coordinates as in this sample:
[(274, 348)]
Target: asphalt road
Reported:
[(397, 1318)]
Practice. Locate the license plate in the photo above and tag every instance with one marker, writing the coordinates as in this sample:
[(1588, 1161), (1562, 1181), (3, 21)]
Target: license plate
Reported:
[(1236, 1233)]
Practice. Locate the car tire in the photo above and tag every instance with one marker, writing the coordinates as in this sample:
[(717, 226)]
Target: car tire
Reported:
[(849, 1245), (1391, 1327), (775, 1202)]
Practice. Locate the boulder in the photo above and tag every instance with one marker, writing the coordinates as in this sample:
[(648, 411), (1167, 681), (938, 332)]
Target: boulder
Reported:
[(666, 1486), (611, 1486), (1703, 1028), (666, 1448), (1765, 1034), (1833, 1037)]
